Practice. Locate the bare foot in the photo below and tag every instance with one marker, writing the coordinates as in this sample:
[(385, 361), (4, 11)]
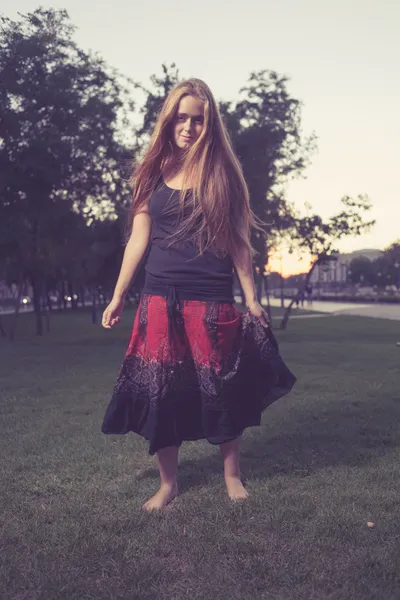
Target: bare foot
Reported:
[(165, 494), (236, 490)]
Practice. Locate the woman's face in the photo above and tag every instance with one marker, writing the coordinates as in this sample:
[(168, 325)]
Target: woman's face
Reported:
[(189, 122)]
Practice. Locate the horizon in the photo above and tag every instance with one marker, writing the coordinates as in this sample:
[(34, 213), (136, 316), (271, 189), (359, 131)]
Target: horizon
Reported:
[(274, 263)]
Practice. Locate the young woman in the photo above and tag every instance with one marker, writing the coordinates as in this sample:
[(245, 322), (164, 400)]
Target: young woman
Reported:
[(195, 366)]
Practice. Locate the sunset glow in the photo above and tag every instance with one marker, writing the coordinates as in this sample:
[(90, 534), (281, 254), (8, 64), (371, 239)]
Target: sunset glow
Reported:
[(291, 264)]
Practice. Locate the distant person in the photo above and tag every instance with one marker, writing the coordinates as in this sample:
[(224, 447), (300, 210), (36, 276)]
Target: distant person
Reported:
[(300, 298), (195, 367), (309, 291)]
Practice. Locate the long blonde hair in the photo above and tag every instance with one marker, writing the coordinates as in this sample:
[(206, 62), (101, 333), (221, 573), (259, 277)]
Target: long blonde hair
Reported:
[(211, 171)]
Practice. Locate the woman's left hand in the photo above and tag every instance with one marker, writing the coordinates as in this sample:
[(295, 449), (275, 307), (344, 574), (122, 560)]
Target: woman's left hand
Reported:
[(257, 310)]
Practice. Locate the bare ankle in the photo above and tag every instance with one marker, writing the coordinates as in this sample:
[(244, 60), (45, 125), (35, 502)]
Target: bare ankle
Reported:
[(232, 476), (169, 484)]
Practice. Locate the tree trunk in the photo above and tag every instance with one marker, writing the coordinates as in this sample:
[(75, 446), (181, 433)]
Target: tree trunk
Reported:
[(46, 312), (82, 294), (62, 303), (48, 300), (266, 290), (74, 305), (94, 307), (47, 319), (259, 288), (59, 294), (63, 295), (36, 288), (13, 328), (288, 310), (282, 293), (2, 330), (104, 297)]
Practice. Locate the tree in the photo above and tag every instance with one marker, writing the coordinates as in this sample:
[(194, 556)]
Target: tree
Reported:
[(320, 238), (391, 260), (265, 127), (59, 142), (362, 271), (154, 100)]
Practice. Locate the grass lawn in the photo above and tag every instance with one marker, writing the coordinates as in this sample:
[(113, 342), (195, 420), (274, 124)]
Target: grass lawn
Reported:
[(325, 461)]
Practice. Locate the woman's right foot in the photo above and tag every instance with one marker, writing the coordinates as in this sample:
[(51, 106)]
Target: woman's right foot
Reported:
[(236, 489), (164, 496)]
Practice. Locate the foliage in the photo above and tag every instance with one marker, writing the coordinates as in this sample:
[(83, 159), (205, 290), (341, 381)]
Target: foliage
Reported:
[(389, 265), (154, 99), (266, 133), (362, 271), (59, 143), (320, 237), (381, 272)]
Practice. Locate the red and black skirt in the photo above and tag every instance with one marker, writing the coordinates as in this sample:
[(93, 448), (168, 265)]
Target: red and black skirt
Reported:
[(209, 378)]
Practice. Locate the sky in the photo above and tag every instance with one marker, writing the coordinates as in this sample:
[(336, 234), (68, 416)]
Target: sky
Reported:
[(342, 59)]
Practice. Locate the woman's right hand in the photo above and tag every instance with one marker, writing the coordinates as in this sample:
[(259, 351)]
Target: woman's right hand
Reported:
[(111, 315)]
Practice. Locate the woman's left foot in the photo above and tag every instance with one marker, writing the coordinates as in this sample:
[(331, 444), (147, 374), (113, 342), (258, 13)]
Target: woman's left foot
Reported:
[(235, 488)]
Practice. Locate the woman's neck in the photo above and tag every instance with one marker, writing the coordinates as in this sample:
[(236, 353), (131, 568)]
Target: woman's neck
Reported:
[(173, 171), (175, 164)]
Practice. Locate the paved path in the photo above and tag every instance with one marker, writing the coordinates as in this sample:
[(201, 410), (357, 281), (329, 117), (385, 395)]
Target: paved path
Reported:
[(378, 311)]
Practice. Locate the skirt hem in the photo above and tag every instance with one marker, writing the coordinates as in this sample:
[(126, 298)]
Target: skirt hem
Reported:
[(154, 447)]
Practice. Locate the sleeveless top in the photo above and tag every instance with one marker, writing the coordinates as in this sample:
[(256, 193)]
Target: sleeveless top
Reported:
[(177, 271), (179, 265)]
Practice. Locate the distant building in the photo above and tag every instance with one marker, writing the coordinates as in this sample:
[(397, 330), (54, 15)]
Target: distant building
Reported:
[(6, 291), (337, 271)]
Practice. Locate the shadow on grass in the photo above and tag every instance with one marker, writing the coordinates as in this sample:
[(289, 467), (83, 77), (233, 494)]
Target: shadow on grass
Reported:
[(353, 434)]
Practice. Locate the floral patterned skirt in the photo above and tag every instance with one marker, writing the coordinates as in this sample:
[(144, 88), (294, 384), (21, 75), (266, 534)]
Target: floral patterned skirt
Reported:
[(211, 380)]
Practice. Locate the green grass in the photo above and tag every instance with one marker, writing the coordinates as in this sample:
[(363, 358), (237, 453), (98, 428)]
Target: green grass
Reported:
[(324, 462), (277, 311)]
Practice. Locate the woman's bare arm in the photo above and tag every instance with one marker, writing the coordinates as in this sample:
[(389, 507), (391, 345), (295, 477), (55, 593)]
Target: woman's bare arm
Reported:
[(133, 255), (244, 270), (134, 252)]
